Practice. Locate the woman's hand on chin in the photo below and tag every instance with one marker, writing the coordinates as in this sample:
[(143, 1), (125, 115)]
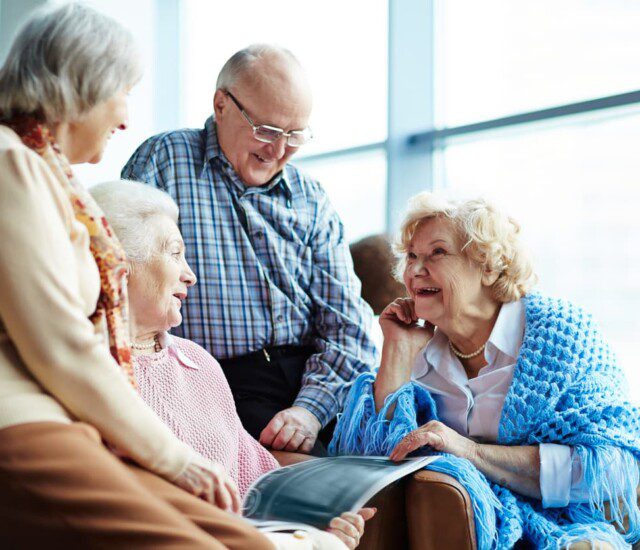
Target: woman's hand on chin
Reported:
[(439, 437), (399, 324)]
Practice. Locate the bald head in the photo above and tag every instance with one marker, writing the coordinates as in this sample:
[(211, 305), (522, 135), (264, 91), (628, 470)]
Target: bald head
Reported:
[(265, 66), (269, 86)]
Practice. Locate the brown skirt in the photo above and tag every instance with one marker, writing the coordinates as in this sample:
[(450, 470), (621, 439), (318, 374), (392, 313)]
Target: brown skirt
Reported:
[(60, 487)]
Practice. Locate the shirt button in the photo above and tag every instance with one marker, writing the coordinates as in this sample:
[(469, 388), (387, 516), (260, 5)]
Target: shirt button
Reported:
[(279, 318), (259, 234)]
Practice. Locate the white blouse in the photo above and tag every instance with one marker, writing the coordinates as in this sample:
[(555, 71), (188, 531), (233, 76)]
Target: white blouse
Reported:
[(473, 407)]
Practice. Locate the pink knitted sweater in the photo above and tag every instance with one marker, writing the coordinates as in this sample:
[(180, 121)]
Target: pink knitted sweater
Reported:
[(186, 387)]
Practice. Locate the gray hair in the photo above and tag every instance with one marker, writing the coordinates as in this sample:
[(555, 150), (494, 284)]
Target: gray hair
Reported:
[(129, 206), (241, 62), (64, 61)]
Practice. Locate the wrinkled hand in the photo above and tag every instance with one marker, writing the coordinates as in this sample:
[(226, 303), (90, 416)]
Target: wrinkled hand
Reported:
[(439, 437), (293, 429), (349, 527), (398, 322), (210, 481)]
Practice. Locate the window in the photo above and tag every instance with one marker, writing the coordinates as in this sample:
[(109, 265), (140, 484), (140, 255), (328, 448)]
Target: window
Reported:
[(356, 185), (497, 58), (571, 181)]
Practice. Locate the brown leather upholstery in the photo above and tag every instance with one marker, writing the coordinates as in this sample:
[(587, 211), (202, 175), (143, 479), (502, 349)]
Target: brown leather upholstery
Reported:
[(439, 513)]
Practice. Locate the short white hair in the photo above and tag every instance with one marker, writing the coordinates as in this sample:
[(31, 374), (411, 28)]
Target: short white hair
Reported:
[(487, 236), (242, 63), (64, 61), (131, 208)]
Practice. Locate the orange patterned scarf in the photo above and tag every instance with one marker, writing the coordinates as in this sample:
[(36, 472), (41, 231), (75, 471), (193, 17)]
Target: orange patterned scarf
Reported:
[(112, 306)]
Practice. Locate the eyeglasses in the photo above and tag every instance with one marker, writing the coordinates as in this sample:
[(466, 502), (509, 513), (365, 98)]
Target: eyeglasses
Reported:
[(269, 134)]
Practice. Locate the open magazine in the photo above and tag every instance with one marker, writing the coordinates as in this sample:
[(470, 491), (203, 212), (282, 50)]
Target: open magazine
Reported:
[(313, 492)]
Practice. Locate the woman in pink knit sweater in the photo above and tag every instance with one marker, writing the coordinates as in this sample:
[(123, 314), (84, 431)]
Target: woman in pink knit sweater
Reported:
[(177, 378)]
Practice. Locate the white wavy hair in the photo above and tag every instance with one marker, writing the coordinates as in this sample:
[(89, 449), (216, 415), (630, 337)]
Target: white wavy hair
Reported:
[(131, 207), (64, 61), (488, 236)]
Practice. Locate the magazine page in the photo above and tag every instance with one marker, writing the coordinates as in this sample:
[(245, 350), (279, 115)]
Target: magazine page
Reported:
[(315, 491)]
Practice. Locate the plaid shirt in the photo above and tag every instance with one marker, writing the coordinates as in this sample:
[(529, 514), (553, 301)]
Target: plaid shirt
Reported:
[(272, 264)]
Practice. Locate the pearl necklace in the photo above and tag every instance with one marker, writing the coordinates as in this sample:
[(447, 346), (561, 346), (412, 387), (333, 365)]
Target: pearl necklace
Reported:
[(149, 344), (461, 355)]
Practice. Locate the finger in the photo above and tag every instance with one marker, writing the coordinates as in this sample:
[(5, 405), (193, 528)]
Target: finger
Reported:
[(207, 490), (236, 502), (408, 312), (412, 310), (348, 541), (413, 442), (345, 526), (354, 519), (394, 311), (223, 498), (409, 444), (295, 442), (307, 445), (271, 430), (367, 513), (284, 436)]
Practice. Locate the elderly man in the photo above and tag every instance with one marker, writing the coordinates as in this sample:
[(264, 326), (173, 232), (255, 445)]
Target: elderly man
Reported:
[(278, 303)]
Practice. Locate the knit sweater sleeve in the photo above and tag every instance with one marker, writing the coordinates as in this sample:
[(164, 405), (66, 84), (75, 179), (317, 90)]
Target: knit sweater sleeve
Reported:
[(44, 307)]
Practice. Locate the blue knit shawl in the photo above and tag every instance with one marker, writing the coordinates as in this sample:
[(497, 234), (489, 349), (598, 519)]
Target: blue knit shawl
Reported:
[(568, 389)]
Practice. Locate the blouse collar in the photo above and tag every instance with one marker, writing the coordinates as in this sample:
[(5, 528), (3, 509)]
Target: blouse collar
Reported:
[(167, 342), (502, 349)]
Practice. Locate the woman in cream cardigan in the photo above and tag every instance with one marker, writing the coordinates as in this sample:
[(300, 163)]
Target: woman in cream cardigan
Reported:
[(83, 460)]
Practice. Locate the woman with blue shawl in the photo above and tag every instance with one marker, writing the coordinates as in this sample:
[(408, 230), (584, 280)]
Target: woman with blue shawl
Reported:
[(517, 391)]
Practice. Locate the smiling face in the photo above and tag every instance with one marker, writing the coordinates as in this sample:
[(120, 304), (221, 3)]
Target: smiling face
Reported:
[(158, 287), (281, 99), (85, 139), (440, 278)]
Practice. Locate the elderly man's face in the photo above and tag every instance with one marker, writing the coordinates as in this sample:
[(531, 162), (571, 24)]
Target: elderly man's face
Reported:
[(285, 105)]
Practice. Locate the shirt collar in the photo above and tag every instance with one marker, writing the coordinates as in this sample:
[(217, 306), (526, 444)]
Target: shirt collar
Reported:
[(506, 337), (213, 151), (168, 342), (508, 332)]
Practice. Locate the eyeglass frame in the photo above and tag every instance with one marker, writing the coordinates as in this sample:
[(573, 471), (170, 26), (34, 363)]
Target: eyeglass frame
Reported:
[(255, 127)]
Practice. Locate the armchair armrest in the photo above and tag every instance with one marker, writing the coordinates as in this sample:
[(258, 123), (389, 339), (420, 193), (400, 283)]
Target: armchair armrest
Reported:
[(439, 513), (285, 458)]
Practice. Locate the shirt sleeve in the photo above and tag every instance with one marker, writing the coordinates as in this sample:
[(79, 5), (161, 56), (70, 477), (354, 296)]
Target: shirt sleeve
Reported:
[(341, 319), (555, 475), (45, 318), (562, 475), (146, 165)]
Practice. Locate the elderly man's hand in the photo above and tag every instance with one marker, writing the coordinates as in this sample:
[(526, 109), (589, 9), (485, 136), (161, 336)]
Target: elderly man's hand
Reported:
[(293, 429), (439, 437)]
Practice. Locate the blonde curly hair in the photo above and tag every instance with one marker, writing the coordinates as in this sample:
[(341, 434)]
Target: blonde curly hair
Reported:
[(489, 237)]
